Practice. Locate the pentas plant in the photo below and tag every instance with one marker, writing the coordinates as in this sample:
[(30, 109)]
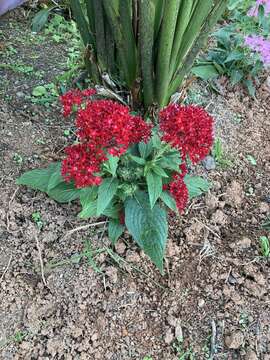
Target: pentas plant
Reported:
[(128, 169)]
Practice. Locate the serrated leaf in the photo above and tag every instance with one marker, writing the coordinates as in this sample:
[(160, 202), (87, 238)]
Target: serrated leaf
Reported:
[(64, 192), (169, 201), (115, 230), (40, 19), (148, 227), (145, 149), (196, 185), (154, 185), (106, 192)]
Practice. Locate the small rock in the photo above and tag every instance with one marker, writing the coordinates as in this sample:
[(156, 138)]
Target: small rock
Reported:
[(179, 331), (219, 217), (120, 247), (251, 355), (169, 337), (20, 94), (244, 243), (201, 303), (234, 194), (235, 340), (209, 163), (111, 272), (211, 201), (264, 208)]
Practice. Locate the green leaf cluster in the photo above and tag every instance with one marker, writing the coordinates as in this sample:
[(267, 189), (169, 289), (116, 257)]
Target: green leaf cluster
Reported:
[(131, 193)]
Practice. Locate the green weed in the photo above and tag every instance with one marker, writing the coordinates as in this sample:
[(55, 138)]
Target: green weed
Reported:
[(265, 246), (219, 155)]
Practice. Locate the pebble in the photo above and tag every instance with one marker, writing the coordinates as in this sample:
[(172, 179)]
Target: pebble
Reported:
[(235, 340), (201, 303), (169, 337), (251, 355), (209, 163), (244, 243)]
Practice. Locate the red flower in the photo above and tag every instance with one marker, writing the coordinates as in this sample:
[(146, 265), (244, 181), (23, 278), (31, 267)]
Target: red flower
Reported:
[(104, 126), (109, 125), (82, 164), (189, 129), (179, 191), (74, 98)]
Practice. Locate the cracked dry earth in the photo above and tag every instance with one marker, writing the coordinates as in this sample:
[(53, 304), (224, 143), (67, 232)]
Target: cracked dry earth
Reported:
[(214, 298)]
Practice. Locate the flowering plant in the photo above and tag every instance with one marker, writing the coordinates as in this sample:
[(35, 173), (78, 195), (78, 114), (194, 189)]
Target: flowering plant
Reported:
[(242, 48), (127, 169)]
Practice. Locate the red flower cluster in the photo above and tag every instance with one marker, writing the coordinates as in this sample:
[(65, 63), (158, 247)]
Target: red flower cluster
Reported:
[(82, 162), (189, 129), (109, 125), (179, 191), (104, 127), (74, 98)]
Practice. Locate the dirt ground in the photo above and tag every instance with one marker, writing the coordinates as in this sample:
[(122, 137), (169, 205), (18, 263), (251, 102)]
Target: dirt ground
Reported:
[(213, 301)]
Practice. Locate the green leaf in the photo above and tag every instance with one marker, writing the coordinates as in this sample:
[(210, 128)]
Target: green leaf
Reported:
[(89, 210), (64, 192), (145, 149), (40, 19), (115, 230), (205, 72), (196, 185), (112, 210), (252, 160), (88, 201), (159, 171), (39, 91), (37, 179), (56, 177), (113, 164), (106, 192), (138, 159), (148, 227), (154, 185), (169, 201), (250, 86)]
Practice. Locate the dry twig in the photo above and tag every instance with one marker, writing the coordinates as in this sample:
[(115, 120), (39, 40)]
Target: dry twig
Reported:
[(6, 269), (41, 261), (83, 227)]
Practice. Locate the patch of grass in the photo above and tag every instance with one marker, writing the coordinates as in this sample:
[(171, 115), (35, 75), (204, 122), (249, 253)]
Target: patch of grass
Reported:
[(182, 353), (265, 246), (36, 217), (18, 159), (219, 155), (266, 224), (18, 68)]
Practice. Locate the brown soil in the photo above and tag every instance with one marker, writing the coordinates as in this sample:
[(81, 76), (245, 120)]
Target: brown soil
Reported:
[(214, 297)]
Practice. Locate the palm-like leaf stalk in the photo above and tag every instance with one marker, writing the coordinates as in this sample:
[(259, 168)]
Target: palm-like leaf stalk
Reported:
[(148, 45)]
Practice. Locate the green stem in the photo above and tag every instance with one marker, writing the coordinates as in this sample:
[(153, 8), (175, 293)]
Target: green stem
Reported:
[(211, 20), (165, 48), (146, 40), (100, 35)]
